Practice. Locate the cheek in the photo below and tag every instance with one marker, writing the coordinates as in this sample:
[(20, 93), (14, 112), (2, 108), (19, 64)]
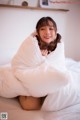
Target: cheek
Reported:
[(54, 35), (41, 35), (53, 32)]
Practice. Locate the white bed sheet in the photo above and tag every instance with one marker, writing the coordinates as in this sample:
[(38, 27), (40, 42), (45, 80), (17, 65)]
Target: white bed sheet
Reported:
[(15, 112)]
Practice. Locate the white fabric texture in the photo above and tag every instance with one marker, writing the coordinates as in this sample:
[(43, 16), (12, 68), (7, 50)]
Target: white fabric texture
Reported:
[(15, 112), (36, 75), (32, 74), (39, 74), (68, 95), (10, 86)]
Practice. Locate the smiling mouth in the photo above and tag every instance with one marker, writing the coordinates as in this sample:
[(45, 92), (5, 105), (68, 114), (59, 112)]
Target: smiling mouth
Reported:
[(47, 37)]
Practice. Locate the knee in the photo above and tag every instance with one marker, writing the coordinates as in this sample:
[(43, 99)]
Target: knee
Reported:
[(30, 103)]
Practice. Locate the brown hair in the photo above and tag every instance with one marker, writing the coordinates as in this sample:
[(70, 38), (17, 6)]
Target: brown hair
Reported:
[(44, 21)]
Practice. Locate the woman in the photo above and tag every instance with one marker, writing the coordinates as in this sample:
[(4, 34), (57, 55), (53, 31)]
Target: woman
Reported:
[(46, 39), (47, 36)]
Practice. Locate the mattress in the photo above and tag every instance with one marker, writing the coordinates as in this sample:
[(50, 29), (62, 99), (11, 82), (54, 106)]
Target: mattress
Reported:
[(12, 108), (14, 111)]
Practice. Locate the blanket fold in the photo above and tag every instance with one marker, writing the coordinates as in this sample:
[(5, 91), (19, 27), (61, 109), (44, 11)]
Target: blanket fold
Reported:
[(34, 74), (41, 75)]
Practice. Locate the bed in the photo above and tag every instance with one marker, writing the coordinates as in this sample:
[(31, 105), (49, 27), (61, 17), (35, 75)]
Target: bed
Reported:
[(61, 105), (15, 112)]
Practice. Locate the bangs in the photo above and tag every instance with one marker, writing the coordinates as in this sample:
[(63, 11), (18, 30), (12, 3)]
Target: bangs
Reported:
[(46, 21)]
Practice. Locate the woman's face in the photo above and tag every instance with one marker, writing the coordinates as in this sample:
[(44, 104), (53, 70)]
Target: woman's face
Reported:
[(47, 33)]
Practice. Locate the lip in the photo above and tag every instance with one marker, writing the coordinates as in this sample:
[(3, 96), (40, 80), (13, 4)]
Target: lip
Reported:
[(47, 37)]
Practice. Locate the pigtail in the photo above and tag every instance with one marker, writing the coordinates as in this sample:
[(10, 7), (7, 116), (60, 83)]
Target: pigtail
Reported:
[(58, 38), (52, 46)]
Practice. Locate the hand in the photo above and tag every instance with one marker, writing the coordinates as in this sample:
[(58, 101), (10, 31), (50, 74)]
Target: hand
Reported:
[(34, 34), (44, 52)]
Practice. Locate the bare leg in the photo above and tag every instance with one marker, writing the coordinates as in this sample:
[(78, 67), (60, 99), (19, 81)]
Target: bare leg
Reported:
[(30, 103)]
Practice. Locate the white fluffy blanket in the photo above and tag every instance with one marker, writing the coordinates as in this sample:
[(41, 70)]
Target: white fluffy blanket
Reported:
[(32, 74)]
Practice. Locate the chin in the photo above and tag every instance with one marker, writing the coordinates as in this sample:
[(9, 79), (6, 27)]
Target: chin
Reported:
[(47, 42)]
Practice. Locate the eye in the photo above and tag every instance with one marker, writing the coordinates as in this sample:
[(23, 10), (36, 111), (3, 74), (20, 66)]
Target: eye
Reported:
[(51, 28), (42, 28)]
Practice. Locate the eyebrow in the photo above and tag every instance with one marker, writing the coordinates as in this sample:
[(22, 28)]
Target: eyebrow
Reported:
[(48, 25)]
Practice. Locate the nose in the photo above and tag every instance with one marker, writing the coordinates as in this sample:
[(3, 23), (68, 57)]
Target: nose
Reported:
[(47, 31)]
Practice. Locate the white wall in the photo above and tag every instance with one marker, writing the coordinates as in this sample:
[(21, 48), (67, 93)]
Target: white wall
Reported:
[(72, 37), (19, 2), (17, 24)]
